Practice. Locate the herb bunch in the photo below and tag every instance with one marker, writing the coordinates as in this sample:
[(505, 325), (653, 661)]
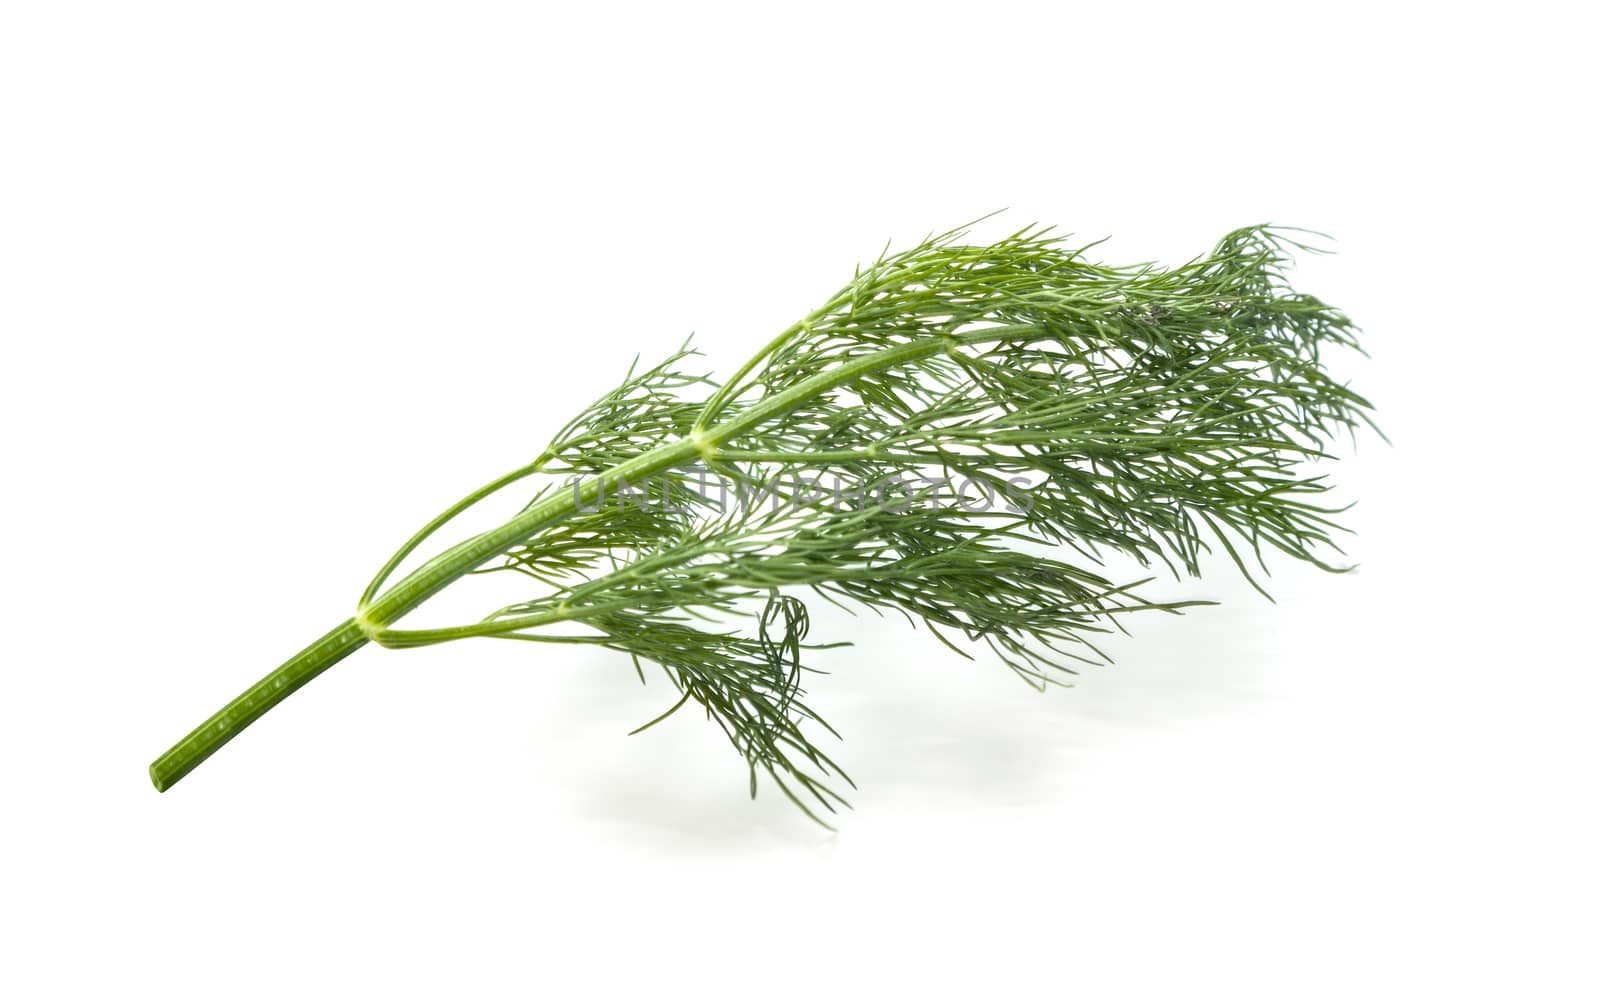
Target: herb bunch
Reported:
[(1140, 410)]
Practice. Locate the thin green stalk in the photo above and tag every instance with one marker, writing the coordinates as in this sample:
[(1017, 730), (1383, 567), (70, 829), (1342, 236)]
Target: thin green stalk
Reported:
[(193, 749), (413, 590), (444, 518)]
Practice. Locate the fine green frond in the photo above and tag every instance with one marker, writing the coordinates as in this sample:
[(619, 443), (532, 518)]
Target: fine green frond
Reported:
[(750, 688), (645, 409), (1141, 410)]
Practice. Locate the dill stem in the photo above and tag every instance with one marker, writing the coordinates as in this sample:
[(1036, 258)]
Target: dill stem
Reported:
[(453, 563), (211, 735)]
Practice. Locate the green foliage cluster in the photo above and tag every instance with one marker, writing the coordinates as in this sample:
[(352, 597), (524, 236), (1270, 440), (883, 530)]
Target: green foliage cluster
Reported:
[(1145, 411)]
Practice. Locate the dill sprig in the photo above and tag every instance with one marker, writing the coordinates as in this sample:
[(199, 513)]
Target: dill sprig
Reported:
[(1137, 410)]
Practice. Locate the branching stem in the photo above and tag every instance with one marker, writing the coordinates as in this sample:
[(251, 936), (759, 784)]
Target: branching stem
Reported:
[(425, 582)]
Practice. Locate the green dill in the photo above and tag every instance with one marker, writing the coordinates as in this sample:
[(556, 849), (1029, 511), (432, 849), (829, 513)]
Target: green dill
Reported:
[(1144, 411)]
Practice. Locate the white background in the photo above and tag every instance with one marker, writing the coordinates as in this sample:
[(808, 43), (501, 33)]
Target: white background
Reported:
[(279, 282)]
